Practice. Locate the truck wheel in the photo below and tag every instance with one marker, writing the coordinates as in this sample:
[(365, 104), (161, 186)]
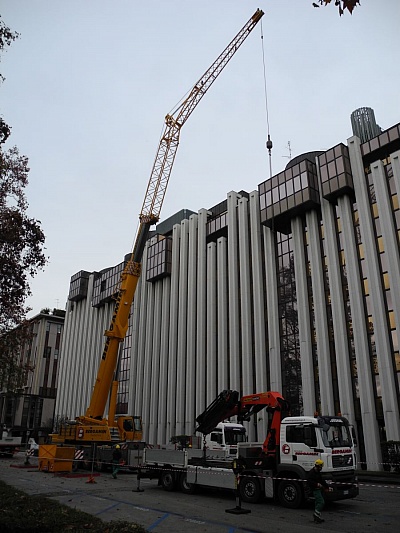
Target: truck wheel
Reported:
[(290, 494), (186, 488), (168, 481), (249, 488)]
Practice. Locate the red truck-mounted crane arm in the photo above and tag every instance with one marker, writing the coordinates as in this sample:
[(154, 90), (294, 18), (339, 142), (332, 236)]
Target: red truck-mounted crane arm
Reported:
[(149, 215), (228, 404)]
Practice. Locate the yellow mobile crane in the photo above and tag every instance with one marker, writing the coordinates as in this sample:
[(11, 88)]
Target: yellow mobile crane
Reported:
[(93, 427)]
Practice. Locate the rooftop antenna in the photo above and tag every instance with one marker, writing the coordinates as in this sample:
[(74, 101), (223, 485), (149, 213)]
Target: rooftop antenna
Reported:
[(290, 151), (269, 142)]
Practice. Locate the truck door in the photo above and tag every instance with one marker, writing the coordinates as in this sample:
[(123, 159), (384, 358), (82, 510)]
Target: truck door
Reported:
[(299, 445), (215, 440)]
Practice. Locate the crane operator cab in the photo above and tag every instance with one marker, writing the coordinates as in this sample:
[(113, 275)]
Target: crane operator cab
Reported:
[(130, 428)]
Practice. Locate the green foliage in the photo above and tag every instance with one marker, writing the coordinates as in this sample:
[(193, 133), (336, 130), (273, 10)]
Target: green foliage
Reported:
[(21, 240), (20, 513), (13, 374)]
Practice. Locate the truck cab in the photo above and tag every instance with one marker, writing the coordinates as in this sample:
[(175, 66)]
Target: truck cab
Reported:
[(225, 436), (304, 439)]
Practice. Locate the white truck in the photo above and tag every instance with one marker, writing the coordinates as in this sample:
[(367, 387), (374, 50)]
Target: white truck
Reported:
[(224, 437), (8, 444), (276, 468)]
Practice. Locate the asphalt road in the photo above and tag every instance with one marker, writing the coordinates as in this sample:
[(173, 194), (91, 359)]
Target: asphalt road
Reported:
[(376, 509)]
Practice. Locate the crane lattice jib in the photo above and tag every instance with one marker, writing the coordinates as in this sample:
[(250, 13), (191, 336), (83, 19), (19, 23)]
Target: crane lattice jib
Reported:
[(170, 139)]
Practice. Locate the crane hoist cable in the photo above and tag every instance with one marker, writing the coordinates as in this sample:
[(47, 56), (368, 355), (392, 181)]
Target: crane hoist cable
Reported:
[(269, 142)]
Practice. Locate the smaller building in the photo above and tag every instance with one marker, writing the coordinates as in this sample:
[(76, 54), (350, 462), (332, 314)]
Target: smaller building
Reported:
[(29, 409)]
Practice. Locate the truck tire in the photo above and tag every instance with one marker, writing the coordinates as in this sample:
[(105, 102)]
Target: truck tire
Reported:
[(250, 490), (186, 488), (168, 480), (290, 494)]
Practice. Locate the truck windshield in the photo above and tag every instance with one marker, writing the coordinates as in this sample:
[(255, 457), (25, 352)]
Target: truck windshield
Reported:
[(233, 436), (336, 435)]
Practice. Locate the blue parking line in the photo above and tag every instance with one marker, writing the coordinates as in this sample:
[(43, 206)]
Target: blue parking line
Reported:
[(229, 529), (108, 509), (153, 526)]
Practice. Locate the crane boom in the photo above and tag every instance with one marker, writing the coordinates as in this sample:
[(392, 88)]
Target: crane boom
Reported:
[(170, 138), (229, 404), (149, 215)]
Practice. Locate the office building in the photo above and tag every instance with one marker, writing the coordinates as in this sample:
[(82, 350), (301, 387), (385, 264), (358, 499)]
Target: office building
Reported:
[(293, 287), (29, 409)]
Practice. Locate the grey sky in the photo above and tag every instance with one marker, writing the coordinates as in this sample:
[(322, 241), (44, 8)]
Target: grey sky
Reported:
[(89, 82)]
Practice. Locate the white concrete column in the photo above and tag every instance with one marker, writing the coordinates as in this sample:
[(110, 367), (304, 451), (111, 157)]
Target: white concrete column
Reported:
[(389, 230), (395, 160), (191, 329), (164, 344), (140, 345), (273, 325), (246, 317), (321, 321), (342, 353), (201, 334), (381, 333), (173, 333), (360, 336), (307, 368), (134, 373), (211, 322), (233, 288), (145, 389), (222, 317), (154, 363), (182, 329), (258, 299)]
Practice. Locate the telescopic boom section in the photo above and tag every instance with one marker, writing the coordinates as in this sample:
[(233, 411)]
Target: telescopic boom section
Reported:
[(150, 214)]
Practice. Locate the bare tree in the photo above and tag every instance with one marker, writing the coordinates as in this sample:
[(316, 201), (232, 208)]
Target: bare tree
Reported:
[(21, 251), (342, 5)]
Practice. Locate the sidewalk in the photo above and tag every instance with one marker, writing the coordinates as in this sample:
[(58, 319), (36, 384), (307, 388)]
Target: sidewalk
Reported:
[(387, 478)]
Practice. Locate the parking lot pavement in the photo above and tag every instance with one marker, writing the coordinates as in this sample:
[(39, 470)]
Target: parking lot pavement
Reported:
[(118, 499), (161, 512)]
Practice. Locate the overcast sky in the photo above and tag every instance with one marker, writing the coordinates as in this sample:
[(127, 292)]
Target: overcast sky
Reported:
[(88, 85)]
